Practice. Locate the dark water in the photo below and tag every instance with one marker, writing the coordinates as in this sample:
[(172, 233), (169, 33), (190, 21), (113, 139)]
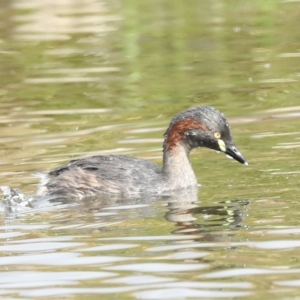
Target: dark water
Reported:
[(84, 77)]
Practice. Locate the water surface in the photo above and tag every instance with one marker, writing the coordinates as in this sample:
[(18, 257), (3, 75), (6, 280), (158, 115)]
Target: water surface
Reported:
[(87, 77)]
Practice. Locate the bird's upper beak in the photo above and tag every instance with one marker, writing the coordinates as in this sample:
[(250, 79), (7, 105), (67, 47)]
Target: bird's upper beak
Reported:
[(232, 152)]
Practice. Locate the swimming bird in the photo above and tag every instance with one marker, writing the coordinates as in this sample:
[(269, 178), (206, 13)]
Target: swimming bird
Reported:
[(202, 126)]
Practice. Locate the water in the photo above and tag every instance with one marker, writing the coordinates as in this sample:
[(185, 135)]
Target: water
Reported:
[(86, 77)]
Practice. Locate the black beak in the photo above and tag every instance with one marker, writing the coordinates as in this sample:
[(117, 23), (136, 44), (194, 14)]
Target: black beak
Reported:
[(235, 154)]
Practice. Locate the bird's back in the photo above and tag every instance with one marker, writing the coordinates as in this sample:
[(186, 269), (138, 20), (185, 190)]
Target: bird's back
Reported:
[(112, 173)]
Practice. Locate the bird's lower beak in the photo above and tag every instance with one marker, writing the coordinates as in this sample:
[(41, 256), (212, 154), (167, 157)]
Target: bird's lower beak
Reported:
[(234, 153)]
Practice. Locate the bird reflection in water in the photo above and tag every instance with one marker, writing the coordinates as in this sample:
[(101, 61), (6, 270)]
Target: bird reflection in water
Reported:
[(191, 218), (183, 209)]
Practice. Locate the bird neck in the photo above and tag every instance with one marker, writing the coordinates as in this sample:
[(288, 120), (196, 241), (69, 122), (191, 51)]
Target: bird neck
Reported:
[(176, 165)]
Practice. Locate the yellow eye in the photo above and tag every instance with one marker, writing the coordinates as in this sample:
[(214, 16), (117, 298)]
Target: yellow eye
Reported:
[(217, 135)]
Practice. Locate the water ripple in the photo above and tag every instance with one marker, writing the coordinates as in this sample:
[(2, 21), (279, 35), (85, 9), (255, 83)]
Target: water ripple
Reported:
[(60, 259), (158, 267), (183, 293), (108, 247), (33, 247), (247, 272)]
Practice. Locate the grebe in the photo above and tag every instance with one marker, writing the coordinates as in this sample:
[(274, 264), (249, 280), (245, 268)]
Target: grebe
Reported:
[(202, 126)]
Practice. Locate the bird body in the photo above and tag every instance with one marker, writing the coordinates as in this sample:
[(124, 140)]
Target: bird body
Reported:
[(202, 126)]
